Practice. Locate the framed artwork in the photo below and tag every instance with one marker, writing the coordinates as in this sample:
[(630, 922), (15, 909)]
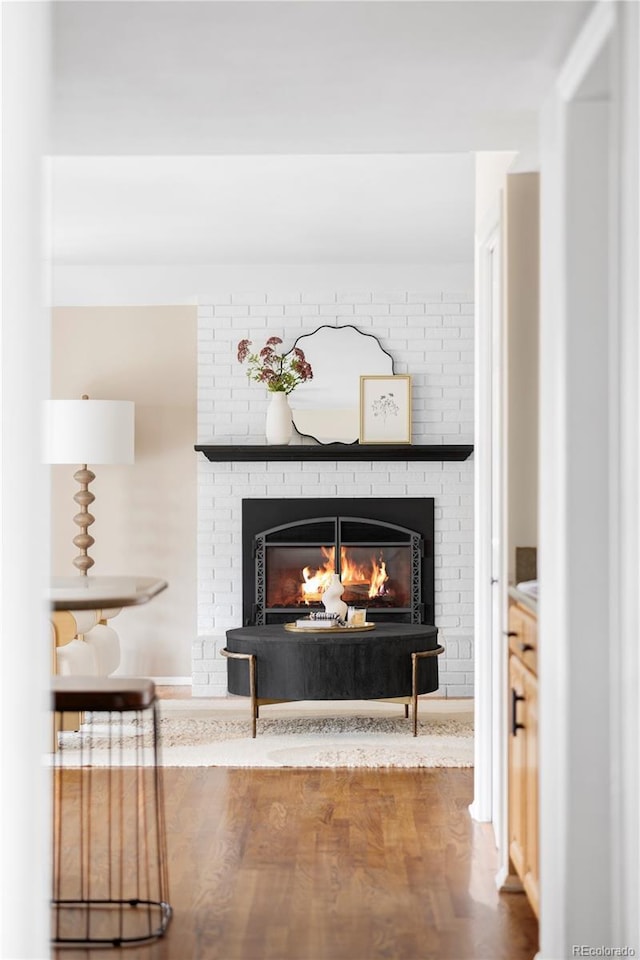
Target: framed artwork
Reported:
[(385, 409)]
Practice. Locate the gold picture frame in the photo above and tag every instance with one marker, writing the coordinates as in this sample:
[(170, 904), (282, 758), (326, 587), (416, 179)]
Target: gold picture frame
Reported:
[(385, 409)]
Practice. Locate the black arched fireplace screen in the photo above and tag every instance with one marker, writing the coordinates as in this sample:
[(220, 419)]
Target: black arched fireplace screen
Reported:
[(381, 548)]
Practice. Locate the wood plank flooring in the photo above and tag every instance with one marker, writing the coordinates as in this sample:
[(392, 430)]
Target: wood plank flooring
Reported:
[(331, 865)]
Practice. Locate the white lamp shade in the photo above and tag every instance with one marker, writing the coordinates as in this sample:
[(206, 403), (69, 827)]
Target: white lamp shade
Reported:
[(89, 431)]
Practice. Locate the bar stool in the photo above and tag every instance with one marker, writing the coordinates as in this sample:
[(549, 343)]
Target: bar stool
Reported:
[(110, 876)]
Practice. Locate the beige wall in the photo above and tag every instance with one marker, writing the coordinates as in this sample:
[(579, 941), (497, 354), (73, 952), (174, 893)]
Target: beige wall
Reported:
[(146, 513), (491, 170), (522, 326)]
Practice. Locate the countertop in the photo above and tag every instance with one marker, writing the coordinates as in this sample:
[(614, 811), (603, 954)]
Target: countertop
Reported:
[(525, 599)]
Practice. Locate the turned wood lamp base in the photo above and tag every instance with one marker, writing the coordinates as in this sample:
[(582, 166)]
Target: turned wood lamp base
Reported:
[(83, 540)]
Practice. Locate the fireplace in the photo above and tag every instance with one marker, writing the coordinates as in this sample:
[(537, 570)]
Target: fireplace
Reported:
[(381, 548)]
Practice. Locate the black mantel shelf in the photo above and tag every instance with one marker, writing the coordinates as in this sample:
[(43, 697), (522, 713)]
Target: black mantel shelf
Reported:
[(223, 453)]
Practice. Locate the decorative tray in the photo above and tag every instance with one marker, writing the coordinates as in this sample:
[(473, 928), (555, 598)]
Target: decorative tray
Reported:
[(314, 628)]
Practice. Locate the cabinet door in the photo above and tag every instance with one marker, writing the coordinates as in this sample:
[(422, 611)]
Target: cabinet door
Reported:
[(531, 873), (523, 636), (517, 765)]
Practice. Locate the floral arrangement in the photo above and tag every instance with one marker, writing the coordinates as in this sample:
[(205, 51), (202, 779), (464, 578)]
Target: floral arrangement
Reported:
[(280, 373)]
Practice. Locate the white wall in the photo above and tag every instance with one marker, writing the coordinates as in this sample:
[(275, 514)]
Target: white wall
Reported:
[(25, 831), (440, 293), (144, 285), (430, 335), (146, 513)]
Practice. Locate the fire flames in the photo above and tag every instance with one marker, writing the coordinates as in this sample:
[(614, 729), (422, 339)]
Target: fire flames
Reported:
[(372, 573), (368, 577), (316, 582)]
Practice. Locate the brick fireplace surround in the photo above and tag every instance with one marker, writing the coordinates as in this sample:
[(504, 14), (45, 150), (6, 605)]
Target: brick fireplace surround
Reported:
[(430, 337)]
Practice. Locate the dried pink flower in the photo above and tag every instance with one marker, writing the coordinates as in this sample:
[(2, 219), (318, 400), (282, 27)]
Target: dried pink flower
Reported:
[(280, 372), (243, 350)]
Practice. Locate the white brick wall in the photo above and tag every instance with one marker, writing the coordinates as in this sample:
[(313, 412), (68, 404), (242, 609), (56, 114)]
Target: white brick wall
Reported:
[(430, 336)]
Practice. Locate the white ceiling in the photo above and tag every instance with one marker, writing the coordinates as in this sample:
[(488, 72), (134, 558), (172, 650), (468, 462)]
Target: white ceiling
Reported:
[(341, 94), (303, 77)]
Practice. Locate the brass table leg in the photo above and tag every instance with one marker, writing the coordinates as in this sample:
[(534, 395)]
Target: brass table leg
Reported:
[(420, 655), (251, 657)]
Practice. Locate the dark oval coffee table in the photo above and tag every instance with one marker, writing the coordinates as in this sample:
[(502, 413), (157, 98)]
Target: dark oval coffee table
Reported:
[(394, 661)]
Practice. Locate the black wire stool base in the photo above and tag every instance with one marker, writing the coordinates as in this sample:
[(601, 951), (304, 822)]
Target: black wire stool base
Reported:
[(79, 908), (110, 865)]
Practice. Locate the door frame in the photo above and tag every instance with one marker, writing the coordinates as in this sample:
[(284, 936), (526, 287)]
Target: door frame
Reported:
[(578, 883), (490, 779)]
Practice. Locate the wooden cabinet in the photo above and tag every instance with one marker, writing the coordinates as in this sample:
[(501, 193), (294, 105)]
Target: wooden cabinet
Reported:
[(523, 749)]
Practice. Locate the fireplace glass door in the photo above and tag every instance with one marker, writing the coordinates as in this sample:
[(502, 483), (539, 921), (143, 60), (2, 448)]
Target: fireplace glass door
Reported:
[(372, 576)]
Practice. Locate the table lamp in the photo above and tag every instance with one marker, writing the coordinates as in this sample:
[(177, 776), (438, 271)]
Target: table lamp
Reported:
[(88, 432)]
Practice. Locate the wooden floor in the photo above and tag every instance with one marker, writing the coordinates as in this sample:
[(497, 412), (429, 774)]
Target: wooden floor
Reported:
[(331, 865)]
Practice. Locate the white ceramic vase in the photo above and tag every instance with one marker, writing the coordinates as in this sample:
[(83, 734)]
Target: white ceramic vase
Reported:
[(331, 598), (278, 427)]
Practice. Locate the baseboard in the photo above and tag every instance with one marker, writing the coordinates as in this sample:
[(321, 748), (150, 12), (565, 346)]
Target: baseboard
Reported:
[(509, 882), (476, 813), (172, 681)]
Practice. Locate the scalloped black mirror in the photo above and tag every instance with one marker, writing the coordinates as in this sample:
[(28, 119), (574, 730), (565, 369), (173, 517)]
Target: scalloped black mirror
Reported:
[(327, 408)]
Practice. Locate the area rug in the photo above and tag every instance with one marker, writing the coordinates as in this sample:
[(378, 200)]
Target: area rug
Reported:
[(197, 736)]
